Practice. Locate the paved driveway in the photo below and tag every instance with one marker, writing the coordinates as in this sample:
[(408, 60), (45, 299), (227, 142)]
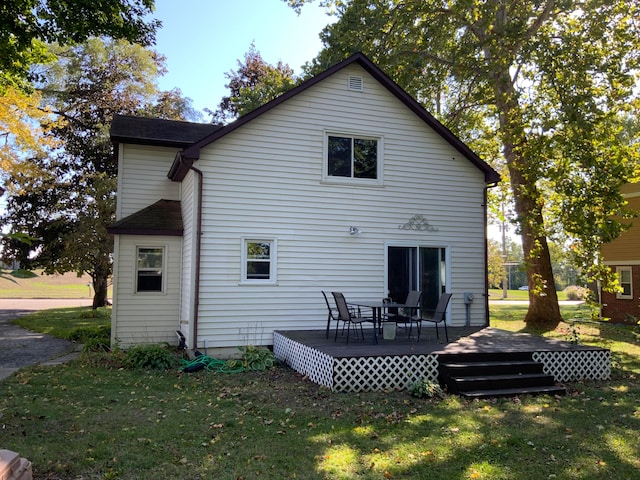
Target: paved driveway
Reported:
[(20, 347)]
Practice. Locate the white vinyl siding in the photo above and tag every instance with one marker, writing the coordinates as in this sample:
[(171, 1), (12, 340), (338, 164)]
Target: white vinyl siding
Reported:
[(142, 178), (144, 318), (266, 180)]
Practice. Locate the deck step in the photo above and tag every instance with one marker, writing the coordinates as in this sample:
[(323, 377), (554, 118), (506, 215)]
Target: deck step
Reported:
[(493, 367), (482, 382), (496, 376), (514, 392)]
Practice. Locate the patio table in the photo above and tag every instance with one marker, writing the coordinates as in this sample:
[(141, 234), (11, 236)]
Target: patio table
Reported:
[(377, 306)]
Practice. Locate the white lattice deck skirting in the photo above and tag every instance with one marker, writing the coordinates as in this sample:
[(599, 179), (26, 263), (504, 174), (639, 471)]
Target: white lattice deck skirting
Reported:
[(397, 372), (303, 359), (354, 374), (572, 365)]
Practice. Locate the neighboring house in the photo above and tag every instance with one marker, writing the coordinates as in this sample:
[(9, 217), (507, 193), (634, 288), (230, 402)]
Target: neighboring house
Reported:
[(623, 256), (344, 183)]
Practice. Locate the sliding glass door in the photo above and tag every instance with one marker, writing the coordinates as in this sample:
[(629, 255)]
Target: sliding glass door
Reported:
[(416, 268)]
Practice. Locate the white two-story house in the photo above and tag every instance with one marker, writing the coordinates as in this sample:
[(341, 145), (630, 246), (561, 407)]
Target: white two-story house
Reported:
[(345, 183)]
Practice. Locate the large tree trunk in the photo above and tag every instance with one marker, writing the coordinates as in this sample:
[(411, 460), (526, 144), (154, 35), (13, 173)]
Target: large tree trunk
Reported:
[(100, 278), (544, 311)]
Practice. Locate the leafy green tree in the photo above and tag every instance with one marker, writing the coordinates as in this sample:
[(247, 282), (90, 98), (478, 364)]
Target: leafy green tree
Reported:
[(70, 199), (564, 270), (27, 25), (551, 80), (254, 83), (495, 267)]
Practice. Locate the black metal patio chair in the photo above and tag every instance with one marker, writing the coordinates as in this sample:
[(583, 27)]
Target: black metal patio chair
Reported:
[(410, 314), (438, 315), (332, 314), (349, 317)]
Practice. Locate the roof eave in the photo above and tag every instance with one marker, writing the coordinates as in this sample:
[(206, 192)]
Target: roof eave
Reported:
[(181, 166), (145, 231)]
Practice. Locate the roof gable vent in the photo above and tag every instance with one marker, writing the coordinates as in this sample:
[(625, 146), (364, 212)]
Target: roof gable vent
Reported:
[(356, 83)]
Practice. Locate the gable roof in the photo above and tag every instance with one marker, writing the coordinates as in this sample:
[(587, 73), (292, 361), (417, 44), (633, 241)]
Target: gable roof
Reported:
[(162, 218), (185, 158), (157, 131)]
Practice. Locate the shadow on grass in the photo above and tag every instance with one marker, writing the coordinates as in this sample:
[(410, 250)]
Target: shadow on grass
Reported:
[(278, 425)]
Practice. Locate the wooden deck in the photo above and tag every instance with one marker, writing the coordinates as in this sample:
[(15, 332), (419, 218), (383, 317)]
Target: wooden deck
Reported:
[(462, 340), (401, 345), (365, 365)]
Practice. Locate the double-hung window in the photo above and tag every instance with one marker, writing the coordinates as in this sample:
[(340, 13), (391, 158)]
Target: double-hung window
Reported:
[(353, 157), (149, 269), (625, 280), (259, 261)]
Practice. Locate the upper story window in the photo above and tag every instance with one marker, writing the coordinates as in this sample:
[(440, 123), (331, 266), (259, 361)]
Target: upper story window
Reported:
[(150, 269), (625, 280), (259, 261), (353, 157)]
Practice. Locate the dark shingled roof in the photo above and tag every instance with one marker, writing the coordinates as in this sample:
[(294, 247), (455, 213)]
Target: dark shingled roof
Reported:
[(155, 131), (162, 218)]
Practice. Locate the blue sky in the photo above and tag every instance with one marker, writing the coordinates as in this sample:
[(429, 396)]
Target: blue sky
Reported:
[(204, 39)]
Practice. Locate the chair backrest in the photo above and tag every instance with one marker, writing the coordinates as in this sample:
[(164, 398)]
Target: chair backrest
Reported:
[(441, 307), (324, 294), (341, 305), (413, 298)]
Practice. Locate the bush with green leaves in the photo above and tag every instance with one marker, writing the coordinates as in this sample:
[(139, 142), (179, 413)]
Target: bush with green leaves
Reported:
[(95, 338), (257, 358), (575, 293), (151, 357), (424, 388)]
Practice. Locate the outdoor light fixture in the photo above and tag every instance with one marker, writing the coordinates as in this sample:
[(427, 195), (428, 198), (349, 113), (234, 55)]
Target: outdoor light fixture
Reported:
[(354, 231)]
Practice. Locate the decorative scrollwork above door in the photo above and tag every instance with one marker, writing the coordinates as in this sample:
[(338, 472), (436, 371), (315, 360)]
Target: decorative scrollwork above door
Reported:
[(418, 222)]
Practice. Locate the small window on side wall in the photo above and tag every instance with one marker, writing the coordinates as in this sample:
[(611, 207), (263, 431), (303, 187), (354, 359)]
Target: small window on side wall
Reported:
[(259, 261), (150, 269), (625, 280)]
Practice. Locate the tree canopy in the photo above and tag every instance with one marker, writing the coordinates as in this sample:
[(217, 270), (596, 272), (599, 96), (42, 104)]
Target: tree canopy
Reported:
[(68, 199), (540, 89), (27, 25), (255, 83)]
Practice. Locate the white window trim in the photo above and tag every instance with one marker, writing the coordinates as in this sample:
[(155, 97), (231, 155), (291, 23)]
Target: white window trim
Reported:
[(273, 270), (620, 295), (326, 178), (164, 271)]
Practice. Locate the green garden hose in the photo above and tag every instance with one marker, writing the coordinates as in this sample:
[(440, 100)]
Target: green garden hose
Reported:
[(212, 365)]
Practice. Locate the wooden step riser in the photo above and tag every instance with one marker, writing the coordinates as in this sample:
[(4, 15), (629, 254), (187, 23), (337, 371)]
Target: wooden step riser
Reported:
[(499, 369), (484, 357), (487, 383)]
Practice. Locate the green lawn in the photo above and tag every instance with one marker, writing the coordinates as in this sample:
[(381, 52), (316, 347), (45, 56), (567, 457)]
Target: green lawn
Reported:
[(93, 420), (496, 294), (66, 322), (68, 285)]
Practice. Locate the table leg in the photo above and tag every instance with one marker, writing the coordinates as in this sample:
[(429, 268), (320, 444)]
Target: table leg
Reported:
[(376, 313)]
